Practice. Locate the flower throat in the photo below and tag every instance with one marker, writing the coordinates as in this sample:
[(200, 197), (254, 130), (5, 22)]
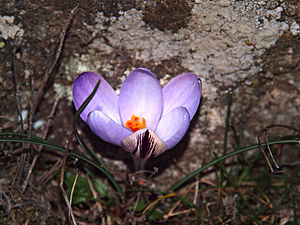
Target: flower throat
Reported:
[(135, 124)]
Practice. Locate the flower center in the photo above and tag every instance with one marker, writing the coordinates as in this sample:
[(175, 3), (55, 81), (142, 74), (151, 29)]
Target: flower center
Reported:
[(135, 124)]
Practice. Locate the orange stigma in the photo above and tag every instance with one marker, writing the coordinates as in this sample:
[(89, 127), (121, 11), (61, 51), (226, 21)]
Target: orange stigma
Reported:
[(135, 124)]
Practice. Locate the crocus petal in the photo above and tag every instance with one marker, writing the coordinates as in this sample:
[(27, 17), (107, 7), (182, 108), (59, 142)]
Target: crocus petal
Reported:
[(144, 144), (183, 90), (173, 126), (107, 129), (105, 97), (141, 95)]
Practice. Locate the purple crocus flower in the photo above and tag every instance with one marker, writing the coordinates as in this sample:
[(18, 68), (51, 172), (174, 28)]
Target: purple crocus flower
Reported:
[(145, 119)]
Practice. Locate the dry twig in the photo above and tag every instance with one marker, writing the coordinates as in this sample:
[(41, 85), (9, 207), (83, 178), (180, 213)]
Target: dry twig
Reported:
[(196, 190), (15, 79), (95, 195), (265, 132), (171, 211), (49, 174), (62, 174), (49, 123), (73, 187), (56, 58), (18, 106), (35, 103)]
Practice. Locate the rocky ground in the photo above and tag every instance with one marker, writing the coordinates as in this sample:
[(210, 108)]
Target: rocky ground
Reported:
[(249, 48)]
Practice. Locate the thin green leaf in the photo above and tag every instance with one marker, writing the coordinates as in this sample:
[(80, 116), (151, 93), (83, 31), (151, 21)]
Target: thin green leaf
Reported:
[(77, 115), (92, 154), (82, 192), (220, 159), (39, 141), (101, 187), (139, 207), (229, 102), (156, 214)]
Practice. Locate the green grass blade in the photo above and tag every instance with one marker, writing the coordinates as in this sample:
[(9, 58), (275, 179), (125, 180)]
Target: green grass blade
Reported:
[(5, 134), (92, 154), (229, 102), (220, 159), (222, 167), (22, 138)]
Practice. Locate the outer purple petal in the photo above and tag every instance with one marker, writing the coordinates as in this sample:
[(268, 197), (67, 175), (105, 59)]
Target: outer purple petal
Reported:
[(183, 90), (173, 126), (105, 97), (106, 128), (141, 95)]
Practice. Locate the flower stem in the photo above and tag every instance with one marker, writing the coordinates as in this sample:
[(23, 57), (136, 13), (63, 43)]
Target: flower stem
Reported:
[(139, 163)]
